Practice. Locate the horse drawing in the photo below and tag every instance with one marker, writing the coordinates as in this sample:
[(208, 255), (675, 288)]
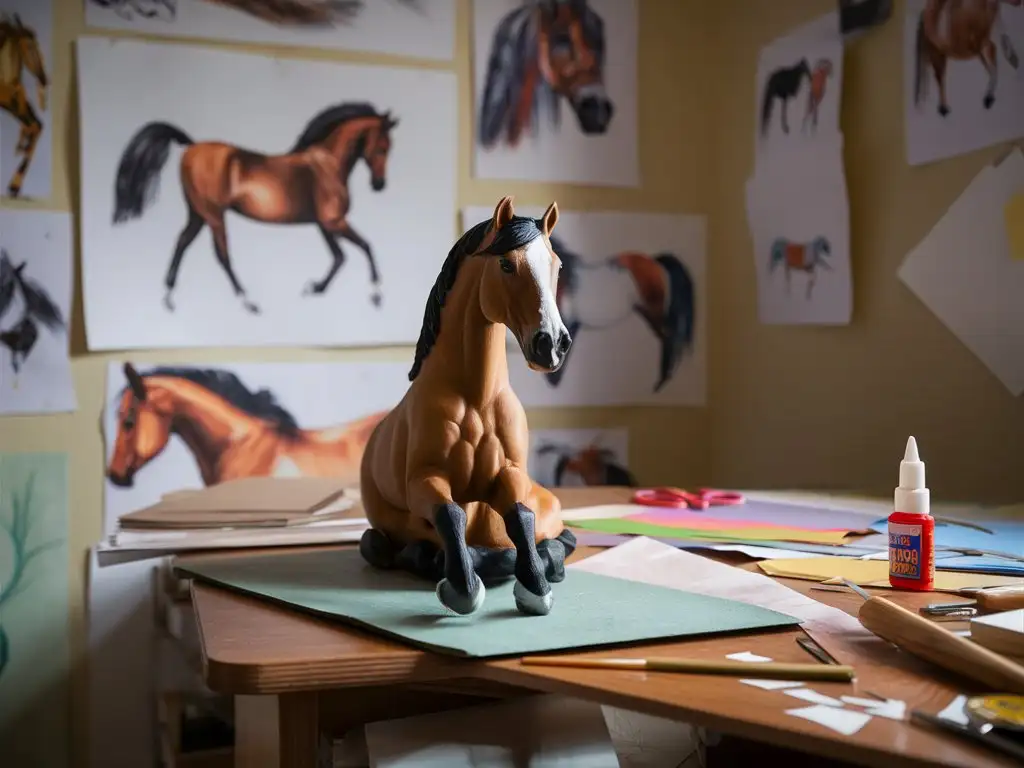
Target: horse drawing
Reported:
[(307, 185), (800, 257), (855, 16), (231, 431), (444, 479), (784, 84), (143, 9), (37, 308), (960, 30), (283, 13), (19, 50), (541, 53), (659, 289), (593, 465)]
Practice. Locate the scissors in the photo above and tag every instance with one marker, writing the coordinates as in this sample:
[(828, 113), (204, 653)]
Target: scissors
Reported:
[(678, 498)]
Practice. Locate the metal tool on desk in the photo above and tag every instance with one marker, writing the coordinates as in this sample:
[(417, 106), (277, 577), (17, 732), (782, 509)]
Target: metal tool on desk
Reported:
[(678, 498), (989, 718), (990, 600), (816, 650)]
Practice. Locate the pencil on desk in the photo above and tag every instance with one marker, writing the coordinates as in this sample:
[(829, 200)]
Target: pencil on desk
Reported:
[(771, 670)]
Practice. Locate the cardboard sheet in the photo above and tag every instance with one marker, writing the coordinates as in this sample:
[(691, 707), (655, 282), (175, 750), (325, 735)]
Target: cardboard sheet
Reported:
[(874, 573), (590, 610)]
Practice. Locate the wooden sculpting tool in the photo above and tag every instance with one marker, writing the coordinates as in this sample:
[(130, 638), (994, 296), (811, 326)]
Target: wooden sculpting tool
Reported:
[(932, 642), (996, 599), (771, 670)]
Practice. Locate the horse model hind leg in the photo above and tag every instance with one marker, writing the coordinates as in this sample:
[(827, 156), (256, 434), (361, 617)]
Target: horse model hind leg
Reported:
[(188, 234), (220, 243), (330, 235), (989, 58)]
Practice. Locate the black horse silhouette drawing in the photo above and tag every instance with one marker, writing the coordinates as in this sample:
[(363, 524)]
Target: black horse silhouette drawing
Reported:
[(37, 309)]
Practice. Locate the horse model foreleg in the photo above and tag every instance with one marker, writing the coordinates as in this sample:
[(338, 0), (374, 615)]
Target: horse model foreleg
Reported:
[(357, 240), (989, 59), (316, 287), (785, 115), (31, 129), (188, 234), (532, 590), (220, 244), (938, 62)]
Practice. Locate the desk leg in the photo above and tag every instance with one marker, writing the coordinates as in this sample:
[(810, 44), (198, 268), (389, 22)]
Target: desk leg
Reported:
[(276, 731)]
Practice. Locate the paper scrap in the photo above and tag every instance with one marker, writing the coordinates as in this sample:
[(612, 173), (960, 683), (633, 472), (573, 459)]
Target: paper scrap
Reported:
[(814, 697), (955, 711), (874, 573), (844, 721), (893, 709), (747, 656), (1014, 213), (762, 553), (857, 701), (772, 685)]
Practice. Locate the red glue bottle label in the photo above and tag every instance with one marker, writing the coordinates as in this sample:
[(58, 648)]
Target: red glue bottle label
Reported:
[(906, 551)]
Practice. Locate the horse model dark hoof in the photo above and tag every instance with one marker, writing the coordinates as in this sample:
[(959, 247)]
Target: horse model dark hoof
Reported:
[(943, 110), (988, 101), (458, 603), (377, 549), (313, 288)]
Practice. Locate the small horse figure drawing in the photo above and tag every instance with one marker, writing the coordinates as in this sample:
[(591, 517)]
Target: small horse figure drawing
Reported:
[(19, 50), (541, 53), (960, 30), (444, 476), (801, 257), (36, 308), (307, 185), (784, 84)]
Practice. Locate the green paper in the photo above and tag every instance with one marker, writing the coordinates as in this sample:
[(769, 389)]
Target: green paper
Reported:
[(620, 525), (34, 658), (590, 609)]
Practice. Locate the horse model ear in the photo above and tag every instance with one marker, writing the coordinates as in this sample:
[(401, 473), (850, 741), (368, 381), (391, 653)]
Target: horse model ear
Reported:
[(135, 382), (549, 219), (503, 213)]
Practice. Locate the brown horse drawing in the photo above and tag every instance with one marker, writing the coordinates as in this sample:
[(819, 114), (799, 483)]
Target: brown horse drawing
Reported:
[(308, 185), (19, 50), (444, 477), (542, 53), (231, 431), (960, 30), (282, 13), (819, 81)]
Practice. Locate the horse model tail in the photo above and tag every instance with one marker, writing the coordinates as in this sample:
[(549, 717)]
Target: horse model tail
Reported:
[(680, 316), (140, 166), (920, 81)]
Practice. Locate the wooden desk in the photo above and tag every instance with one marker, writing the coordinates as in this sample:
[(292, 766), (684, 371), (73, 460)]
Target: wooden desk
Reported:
[(294, 675)]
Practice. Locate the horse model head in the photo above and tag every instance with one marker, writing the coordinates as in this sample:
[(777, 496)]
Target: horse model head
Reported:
[(570, 50), (24, 38), (143, 429), (376, 148), (517, 289)]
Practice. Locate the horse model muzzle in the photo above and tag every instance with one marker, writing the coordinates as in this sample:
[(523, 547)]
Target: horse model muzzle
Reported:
[(378, 184), (121, 479), (594, 111), (548, 353)]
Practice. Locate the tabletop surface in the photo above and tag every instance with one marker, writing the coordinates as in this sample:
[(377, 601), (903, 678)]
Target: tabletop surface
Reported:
[(252, 647)]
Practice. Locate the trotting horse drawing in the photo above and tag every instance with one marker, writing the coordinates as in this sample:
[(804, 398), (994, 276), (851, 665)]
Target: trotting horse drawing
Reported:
[(784, 84), (444, 479), (282, 13), (19, 50), (307, 185), (231, 431), (960, 30), (541, 53), (801, 257)]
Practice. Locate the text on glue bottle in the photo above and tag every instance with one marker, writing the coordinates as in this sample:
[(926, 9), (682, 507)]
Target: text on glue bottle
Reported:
[(912, 528)]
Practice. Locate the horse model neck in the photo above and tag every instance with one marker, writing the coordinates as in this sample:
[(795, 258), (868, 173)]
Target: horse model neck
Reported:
[(469, 354), (346, 142)]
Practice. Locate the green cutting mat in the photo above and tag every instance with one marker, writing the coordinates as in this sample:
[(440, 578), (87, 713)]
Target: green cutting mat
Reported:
[(590, 609)]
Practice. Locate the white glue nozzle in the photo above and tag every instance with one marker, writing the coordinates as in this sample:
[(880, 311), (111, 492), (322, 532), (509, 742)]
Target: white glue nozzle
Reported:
[(912, 494)]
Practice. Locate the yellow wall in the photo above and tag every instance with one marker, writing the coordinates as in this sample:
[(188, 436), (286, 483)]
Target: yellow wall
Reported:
[(832, 407), (667, 445)]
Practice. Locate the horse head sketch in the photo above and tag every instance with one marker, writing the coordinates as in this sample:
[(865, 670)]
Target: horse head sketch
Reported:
[(593, 464), (20, 50), (541, 53), (37, 308)]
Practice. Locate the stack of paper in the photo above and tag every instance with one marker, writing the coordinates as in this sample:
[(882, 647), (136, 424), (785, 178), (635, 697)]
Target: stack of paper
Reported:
[(875, 573), (1002, 633)]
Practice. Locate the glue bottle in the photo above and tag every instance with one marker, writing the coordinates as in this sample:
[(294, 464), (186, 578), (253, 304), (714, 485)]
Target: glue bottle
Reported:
[(912, 528)]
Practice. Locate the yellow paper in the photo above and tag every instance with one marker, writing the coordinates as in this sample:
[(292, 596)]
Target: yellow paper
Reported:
[(874, 573), (1014, 212)]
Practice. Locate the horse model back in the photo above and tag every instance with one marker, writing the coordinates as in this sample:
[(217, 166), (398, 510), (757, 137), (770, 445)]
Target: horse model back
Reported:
[(444, 477)]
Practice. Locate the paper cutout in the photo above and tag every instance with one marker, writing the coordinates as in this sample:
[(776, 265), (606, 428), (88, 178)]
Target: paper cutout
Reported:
[(893, 709), (844, 721), (814, 697), (859, 702), (955, 711), (747, 656), (772, 685), (1014, 213)]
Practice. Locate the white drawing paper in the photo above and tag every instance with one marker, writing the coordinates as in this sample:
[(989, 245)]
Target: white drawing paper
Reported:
[(979, 109), (580, 123), (580, 457), (311, 419), (36, 280), (632, 293), (798, 213), (963, 273), (419, 28), (272, 224), (799, 88), (844, 721), (26, 132)]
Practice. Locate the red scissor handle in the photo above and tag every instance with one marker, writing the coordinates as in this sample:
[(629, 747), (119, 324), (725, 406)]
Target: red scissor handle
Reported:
[(665, 496)]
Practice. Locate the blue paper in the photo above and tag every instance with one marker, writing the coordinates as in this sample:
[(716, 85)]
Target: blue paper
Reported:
[(1007, 538)]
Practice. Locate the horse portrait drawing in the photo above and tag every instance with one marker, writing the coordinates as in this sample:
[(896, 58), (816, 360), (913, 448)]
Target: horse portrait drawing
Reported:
[(800, 257), (658, 289), (784, 84), (444, 478), (30, 302), (282, 13), (231, 431), (959, 30), (20, 52), (592, 464), (306, 185), (541, 53)]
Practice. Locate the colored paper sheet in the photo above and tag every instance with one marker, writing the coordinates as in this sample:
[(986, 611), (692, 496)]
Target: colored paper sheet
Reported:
[(681, 518), (765, 533), (1014, 213), (874, 573), (589, 610), (34, 657), (1006, 537)]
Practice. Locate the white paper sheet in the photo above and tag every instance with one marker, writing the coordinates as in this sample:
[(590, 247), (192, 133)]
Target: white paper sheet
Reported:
[(262, 104), (771, 685), (969, 125), (978, 299), (571, 458), (42, 383), (747, 656), (420, 29), (542, 731), (562, 152), (844, 721), (813, 697), (615, 358), (955, 711), (36, 15)]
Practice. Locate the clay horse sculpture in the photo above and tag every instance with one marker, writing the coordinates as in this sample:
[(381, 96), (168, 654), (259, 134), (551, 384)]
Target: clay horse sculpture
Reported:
[(444, 479)]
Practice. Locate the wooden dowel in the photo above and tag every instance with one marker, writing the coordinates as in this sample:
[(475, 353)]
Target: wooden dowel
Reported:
[(771, 670)]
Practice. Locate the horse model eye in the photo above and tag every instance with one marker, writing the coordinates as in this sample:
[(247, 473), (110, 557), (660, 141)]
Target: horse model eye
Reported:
[(507, 266)]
